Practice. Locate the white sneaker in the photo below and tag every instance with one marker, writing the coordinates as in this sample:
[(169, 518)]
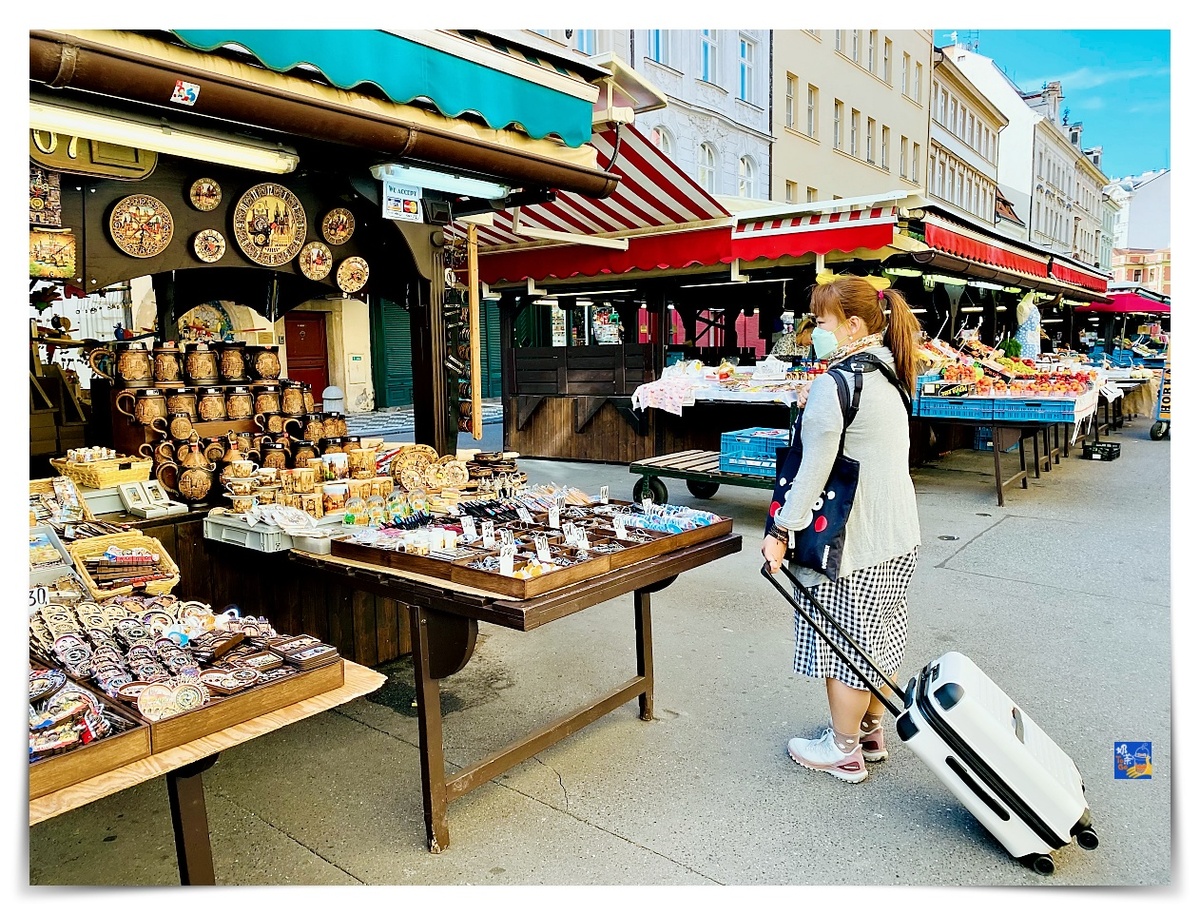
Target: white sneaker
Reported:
[(823, 755)]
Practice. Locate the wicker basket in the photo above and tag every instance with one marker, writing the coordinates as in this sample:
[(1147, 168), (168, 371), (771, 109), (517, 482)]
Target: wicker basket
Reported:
[(105, 474), (46, 487), (91, 547)]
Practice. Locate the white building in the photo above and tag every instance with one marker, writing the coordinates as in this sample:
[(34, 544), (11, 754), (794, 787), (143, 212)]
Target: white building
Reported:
[(1144, 220)]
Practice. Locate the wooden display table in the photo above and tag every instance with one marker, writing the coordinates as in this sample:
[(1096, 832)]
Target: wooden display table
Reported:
[(445, 619), (184, 766)]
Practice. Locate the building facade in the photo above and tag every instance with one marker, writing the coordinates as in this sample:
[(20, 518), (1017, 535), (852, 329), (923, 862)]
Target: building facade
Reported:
[(964, 144), (1150, 269), (850, 112)]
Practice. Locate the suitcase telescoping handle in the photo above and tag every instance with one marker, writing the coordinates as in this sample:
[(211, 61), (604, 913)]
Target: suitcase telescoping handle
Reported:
[(803, 611)]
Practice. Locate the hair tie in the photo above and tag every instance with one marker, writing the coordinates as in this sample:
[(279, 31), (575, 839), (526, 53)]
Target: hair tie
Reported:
[(880, 295)]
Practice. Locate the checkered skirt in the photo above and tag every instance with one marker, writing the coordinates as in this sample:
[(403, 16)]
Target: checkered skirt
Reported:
[(871, 604)]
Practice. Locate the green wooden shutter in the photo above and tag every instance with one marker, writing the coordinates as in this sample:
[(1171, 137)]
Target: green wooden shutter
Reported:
[(393, 356), (489, 381)]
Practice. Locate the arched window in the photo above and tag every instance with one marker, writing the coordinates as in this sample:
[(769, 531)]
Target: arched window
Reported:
[(661, 138), (707, 168), (745, 177)]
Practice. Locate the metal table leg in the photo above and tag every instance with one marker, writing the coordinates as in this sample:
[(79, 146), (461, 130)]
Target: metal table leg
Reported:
[(189, 819)]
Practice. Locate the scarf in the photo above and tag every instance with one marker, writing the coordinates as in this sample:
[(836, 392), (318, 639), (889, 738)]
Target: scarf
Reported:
[(848, 349)]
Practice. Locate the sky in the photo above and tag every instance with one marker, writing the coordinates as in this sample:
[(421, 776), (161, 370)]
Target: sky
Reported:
[(1117, 82)]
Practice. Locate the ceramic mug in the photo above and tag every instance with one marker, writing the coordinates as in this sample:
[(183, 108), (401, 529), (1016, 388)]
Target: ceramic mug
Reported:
[(239, 402), (272, 423), (243, 504), (240, 487), (147, 405), (268, 476), (242, 470), (182, 400), (168, 363), (302, 451), (267, 495), (210, 404), (303, 479), (266, 397), (231, 358), (177, 425), (337, 466), (333, 497), (311, 502)]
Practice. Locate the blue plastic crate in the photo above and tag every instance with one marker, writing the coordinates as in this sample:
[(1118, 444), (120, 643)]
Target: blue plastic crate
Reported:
[(1044, 410), (956, 407), (983, 440), (752, 450)]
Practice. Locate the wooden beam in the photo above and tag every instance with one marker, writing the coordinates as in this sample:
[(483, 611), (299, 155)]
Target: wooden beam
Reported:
[(473, 307)]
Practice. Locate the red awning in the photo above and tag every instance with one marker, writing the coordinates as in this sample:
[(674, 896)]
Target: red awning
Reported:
[(795, 236), (972, 245), (1078, 277), (1127, 303)]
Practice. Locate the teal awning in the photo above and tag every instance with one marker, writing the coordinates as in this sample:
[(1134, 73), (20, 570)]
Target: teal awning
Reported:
[(505, 89)]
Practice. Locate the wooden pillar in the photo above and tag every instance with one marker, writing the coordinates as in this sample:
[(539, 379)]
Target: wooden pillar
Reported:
[(431, 411)]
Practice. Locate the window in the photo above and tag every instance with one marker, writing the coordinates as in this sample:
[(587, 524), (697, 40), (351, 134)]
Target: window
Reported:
[(942, 97), (662, 139), (872, 40), (584, 40), (917, 164), (904, 63), (971, 141), (659, 50), (871, 140), (745, 177), (941, 177), (885, 144), (887, 61), (746, 70), (854, 40), (917, 93), (708, 168), (903, 156), (837, 39), (812, 195), (962, 121), (953, 114), (959, 198), (708, 55), (837, 124), (789, 111), (854, 123), (790, 190), (811, 120)]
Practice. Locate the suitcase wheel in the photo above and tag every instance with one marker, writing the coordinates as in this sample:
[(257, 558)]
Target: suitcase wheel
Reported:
[(1042, 864), (1088, 839)]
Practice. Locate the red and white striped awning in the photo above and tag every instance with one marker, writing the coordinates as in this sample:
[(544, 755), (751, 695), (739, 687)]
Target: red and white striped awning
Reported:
[(653, 193), (814, 233)]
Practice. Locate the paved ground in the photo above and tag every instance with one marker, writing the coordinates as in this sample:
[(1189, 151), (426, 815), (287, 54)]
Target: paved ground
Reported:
[(398, 421), (1063, 596)]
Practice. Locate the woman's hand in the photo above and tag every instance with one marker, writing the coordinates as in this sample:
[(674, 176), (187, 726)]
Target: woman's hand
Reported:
[(802, 395), (773, 549)]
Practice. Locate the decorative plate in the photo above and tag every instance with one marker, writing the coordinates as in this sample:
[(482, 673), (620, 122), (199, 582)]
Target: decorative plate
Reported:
[(209, 245), (45, 682), (316, 260), (337, 226), (205, 194), (352, 274), (141, 225), (269, 224)]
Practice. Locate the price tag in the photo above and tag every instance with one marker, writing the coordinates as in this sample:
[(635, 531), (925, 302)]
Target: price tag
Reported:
[(646, 503), (468, 526), (507, 552), (506, 537), (523, 514), (560, 499), (38, 597), (554, 522), (489, 534), (581, 540), (619, 527), (604, 495), (543, 548)]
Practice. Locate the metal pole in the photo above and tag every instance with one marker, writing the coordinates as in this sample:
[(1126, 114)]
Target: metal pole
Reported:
[(473, 305)]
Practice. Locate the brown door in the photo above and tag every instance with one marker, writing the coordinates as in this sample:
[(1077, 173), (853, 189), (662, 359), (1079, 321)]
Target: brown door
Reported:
[(306, 357)]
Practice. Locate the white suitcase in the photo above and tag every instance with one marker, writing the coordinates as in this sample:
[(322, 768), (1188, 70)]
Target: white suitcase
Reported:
[(1004, 769)]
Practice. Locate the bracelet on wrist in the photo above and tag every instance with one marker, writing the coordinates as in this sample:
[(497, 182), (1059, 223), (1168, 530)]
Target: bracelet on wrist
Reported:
[(779, 533)]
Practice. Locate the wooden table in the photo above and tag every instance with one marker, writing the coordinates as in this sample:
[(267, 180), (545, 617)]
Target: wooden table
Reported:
[(184, 766), (445, 619)]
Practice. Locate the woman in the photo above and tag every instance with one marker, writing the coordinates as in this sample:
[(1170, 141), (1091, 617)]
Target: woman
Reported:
[(797, 342), (869, 598)]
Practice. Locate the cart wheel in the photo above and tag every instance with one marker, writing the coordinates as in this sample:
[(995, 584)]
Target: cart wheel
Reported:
[(1088, 839), (702, 489), (655, 488), (1159, 431)]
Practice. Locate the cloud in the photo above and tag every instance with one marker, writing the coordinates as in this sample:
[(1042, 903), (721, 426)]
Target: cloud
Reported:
[(1092, 77)]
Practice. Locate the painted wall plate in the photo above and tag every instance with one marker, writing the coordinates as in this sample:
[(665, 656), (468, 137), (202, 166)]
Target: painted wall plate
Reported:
[(337, 226), (316, 260), (141, 225), (209, 245), (205, 194), (269, 224), (352, 274)]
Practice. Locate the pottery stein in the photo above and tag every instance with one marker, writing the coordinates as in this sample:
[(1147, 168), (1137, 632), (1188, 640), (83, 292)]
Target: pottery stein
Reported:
[(336, 445), (291, 396), (200, 364), (214, 448), (210, 404), (127, 364), (159, 452), (239, 402), (182, 400), (310, 405), (302, 451), (271, 423), (266, 397), (168, 363), (262, 362), (176, 425), (351, 442), (143, 405), (334, 425), (231, 360), (309, 426), (275, 454)]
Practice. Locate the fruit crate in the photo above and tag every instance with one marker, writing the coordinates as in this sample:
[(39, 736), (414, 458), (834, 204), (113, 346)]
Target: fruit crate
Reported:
[(957, 407), (1044, 410), (752, 451), (1101, 451)]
